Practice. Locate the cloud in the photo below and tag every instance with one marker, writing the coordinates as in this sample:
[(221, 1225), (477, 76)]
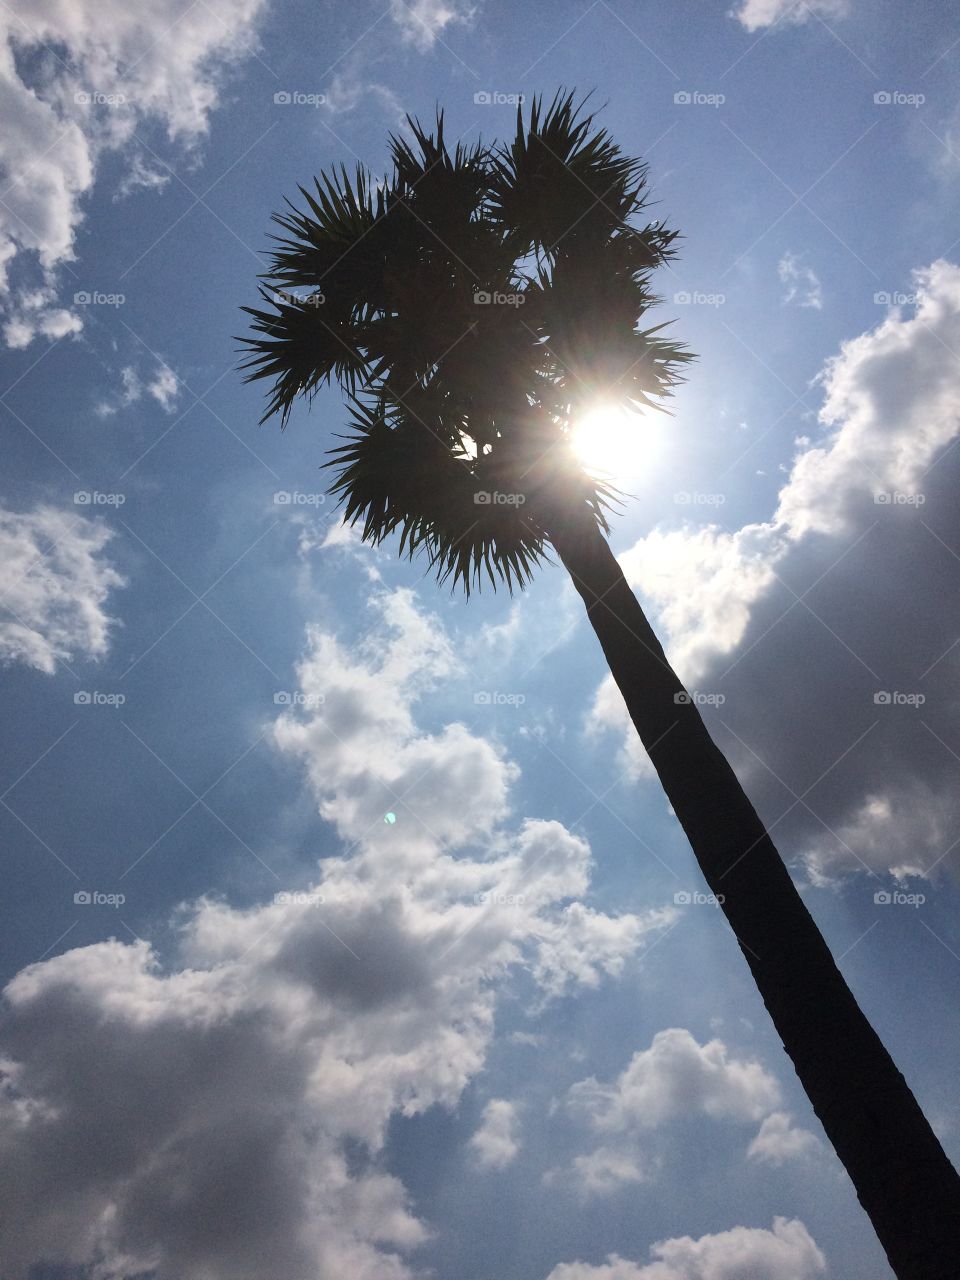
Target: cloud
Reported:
[(787, 1252), (423, 22), (598, 1173), (162, 385), (779, 1141), (838, 618), (675, 1078), (54, 584), (114, 65), (495, 1142), (223, 1115), (801, 283), (756, 15)]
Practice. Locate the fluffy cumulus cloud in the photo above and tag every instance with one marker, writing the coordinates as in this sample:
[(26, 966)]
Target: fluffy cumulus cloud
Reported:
[(831, 630), (496, 1143), (54, 583), (787, 1252), (76, 77), (779, 1140), (757, 15), (675, 1079), (222, 1116), (677, 1076)]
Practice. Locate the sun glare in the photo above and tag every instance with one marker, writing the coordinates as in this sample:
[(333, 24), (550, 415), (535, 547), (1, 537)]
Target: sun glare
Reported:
[(613, 443)]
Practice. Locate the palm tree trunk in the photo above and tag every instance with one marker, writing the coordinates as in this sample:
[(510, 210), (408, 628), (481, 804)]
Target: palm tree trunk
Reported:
[(902, 1177)]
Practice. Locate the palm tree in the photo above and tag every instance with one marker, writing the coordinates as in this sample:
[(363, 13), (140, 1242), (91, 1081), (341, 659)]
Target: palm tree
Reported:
[(472, 306)]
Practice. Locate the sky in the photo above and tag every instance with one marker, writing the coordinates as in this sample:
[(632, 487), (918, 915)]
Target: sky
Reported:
[(346, 930)]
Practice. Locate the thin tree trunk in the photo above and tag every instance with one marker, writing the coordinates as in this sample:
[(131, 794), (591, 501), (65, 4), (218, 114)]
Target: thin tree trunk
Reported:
[(902, 1177)]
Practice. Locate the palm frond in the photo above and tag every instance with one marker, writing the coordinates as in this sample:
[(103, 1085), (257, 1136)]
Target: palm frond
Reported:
[(416, 294)]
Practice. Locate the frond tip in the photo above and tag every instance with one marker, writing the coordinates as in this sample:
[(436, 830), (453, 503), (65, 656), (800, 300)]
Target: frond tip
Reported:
[(471, 306)]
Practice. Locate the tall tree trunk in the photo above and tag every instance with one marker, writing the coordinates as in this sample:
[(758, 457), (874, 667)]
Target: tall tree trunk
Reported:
[(902, 1177)]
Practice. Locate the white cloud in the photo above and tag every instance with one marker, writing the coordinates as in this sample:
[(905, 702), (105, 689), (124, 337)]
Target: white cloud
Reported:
[(801, 283), (847, 592), (787, 1252), (223, 1116), (164, 387), (598, 1173), (54, 584), (114, 64), (495, 1142), (758, 14), (779, 1141), (677, 1076), (423, 22)]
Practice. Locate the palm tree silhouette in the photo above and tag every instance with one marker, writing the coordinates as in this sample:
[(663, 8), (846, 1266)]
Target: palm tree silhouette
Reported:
[(472, 307)]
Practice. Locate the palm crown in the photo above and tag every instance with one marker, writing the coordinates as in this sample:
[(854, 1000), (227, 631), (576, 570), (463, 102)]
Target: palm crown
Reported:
[(471, 306)]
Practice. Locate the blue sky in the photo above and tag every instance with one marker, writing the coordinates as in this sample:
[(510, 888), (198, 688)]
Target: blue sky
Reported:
[(503, 1035)]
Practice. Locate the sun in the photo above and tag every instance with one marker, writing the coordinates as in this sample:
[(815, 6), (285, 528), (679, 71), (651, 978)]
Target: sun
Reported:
[(613, 443)]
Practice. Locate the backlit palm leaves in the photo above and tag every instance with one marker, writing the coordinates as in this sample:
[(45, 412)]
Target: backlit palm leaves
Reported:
[(471, 306)]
